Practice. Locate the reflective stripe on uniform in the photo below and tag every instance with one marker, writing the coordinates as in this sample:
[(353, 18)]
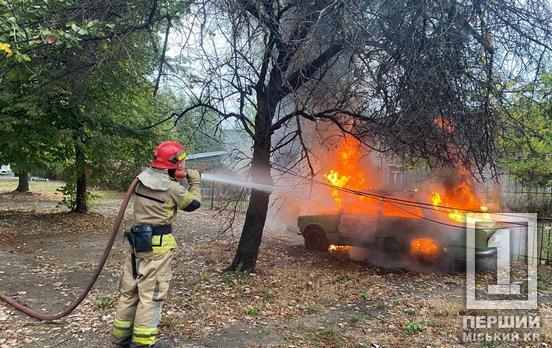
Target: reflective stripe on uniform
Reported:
[(143, 339), (146, 330), (123, 324), (122, 328), (168, 243), (144, 335), (121, 332), (187, 198), (161, 250)]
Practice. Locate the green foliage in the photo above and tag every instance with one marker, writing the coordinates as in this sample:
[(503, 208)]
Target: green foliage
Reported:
[(105, 302), (354, 319), (69, 192), (366, 295), (252, 311), (81, 76), (30, 25), (413, 327), (332, 332), (527, 147)]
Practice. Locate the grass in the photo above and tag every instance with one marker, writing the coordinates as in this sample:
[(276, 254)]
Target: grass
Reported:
[(332, 332), (252, 311), (107, 197), (432, 323), (9, 185), (266, 296), (50, 188), (105, 302), (236, 278), (328, 335), (227, 278), (398, 302), (366, 295), (301, 332), (354, 319), (414, 327)]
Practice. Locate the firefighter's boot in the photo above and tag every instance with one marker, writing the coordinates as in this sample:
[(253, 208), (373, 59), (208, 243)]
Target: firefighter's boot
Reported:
[(121, 342)]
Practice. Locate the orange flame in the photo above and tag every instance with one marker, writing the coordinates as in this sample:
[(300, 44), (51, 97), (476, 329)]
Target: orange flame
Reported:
[(337, 180), (461, 196), (339, 248), (427, 248), (436, 199), (349, 171)]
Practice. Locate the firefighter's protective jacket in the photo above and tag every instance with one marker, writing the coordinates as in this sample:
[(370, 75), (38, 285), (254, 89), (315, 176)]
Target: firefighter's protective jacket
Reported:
[(157, 199)]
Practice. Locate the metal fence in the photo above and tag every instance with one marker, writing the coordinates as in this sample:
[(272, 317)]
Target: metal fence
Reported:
[(544, 240), (518, 195), (218, 197), (516, 185)]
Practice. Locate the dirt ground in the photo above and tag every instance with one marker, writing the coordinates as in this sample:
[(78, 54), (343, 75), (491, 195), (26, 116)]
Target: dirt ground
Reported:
[(296, 299)]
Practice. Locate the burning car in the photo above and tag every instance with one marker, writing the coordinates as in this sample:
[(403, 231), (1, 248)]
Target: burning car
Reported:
[(395, 226), (397, 240)]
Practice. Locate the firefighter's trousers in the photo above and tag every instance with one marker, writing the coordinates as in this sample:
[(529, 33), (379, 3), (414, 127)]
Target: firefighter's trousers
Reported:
[(141, 299)]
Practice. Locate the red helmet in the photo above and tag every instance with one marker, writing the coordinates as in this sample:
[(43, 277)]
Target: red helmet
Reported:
[(168, 155)]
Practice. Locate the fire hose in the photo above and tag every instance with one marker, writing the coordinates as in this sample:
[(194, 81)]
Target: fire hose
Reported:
[(97, 271)]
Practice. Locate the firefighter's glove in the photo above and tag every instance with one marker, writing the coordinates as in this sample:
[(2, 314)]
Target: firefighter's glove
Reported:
[(193, 176)]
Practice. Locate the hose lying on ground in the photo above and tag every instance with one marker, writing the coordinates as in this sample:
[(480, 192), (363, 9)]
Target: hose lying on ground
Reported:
[(97, 272)]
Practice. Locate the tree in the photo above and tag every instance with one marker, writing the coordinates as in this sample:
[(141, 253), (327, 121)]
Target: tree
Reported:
[(88, 66), (29, 138), (526, 151), (420, 78)]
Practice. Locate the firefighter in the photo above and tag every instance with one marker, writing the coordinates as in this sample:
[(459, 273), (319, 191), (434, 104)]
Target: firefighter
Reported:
[(147, 271)]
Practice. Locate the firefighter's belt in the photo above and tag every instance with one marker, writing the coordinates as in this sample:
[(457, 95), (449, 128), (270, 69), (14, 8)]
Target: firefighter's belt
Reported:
[(140, 236), (162, 230), (140, 239)]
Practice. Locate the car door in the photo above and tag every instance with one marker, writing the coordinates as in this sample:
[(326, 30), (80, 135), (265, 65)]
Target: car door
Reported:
[(358, 229)]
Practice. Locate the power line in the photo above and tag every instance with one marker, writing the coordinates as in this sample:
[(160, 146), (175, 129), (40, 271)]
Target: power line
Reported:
[(405, 202)]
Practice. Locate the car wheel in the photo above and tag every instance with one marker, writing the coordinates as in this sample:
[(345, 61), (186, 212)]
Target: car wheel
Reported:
[(315, 239)]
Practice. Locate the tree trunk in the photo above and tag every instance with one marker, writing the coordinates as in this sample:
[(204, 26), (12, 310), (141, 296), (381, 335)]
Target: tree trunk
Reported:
[(252, 233), (81, 205), (23, 185)]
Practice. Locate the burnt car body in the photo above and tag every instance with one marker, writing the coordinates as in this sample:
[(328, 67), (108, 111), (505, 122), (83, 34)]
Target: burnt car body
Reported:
[(391, 237)]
